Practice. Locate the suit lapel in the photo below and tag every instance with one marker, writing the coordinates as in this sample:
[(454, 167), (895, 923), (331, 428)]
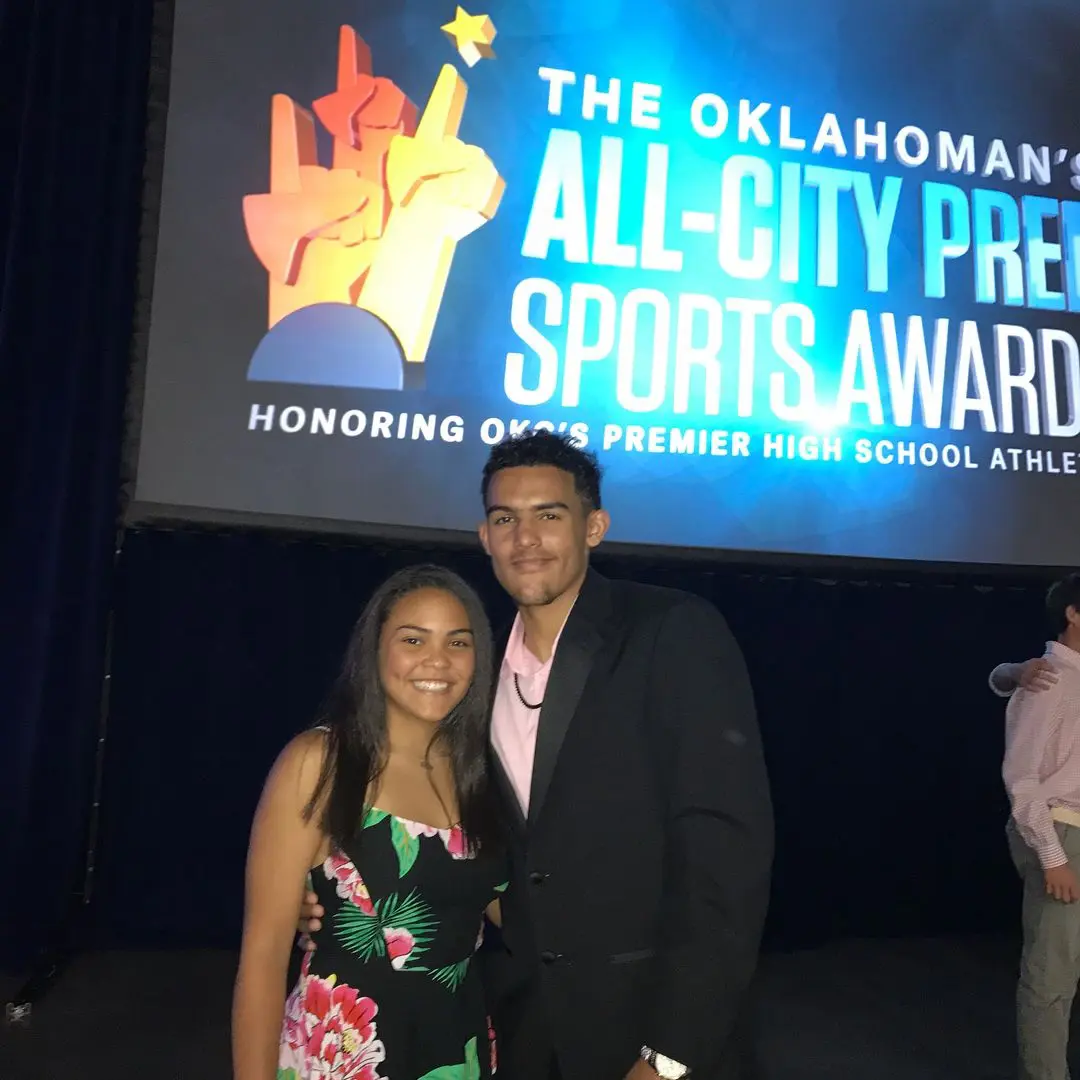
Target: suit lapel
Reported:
[(581, 638)]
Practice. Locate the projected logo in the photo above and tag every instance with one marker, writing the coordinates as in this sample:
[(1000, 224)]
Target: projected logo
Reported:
[(357, 254)]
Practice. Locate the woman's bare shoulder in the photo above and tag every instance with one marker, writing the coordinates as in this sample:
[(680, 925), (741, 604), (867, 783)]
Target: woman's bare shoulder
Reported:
[(300, 764)]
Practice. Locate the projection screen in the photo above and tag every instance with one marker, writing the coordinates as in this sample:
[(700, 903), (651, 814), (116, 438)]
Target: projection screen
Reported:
[(805, 276)]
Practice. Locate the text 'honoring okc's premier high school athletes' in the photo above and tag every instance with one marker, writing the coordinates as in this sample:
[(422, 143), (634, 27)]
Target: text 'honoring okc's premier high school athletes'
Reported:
[(796, 217), (778, 445)]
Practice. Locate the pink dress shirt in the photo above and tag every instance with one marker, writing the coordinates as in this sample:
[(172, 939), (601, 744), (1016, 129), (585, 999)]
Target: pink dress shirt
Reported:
[(513, 725), (1042, 755)]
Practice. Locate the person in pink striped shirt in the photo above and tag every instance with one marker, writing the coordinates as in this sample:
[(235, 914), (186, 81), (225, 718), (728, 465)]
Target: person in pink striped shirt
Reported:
[(1042, 776)]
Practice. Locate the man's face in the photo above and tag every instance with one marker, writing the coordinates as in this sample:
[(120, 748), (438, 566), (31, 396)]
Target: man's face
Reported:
[(539, 533)]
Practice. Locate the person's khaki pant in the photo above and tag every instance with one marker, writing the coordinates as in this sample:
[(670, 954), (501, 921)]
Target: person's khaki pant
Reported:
[(1049, 963)]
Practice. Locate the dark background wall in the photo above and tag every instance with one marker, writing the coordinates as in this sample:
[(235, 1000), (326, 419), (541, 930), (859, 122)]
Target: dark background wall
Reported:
[(883, 740)]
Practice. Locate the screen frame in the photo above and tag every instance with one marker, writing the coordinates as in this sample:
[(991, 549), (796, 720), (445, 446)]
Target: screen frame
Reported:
[(145, 514)]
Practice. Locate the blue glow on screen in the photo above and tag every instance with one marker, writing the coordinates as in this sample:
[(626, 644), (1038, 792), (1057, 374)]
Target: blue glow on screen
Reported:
[(805, 276)]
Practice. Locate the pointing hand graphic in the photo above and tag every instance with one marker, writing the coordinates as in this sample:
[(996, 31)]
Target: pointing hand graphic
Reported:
[(441, 189), (434, 168), (379, 228), (308, 203)]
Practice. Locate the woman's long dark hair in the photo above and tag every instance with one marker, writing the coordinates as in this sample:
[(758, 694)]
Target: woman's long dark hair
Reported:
[(355, 718)]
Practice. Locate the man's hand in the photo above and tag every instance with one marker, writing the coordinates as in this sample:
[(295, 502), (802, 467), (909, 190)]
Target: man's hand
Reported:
[(311, 913), (1062, 884), (642, 1070), (1037, 675)]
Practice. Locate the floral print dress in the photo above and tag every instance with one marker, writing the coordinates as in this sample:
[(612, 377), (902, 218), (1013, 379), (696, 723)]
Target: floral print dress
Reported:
[(390, 993)]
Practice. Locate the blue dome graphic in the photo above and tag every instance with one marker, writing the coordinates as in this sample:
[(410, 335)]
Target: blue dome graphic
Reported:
[(330, 345)]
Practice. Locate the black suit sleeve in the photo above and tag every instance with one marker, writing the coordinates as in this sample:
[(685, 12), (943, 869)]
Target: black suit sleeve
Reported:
[(719, 836)]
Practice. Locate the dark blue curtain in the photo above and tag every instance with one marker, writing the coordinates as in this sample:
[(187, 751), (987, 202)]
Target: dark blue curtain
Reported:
[(884, 742), (73, 79)]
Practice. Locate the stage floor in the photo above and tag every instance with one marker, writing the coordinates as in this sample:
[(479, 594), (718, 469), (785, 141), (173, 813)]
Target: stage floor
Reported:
[(861, 1010)]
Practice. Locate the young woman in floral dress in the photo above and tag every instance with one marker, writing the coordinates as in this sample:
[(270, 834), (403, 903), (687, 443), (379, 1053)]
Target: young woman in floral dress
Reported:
[(385, 810)]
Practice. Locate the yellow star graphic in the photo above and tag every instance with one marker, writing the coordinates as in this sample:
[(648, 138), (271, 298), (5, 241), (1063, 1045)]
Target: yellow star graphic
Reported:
[(472, 36)]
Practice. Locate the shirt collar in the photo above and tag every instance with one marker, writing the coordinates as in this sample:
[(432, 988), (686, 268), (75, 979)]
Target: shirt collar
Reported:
[(1063, 653), (519, 659)]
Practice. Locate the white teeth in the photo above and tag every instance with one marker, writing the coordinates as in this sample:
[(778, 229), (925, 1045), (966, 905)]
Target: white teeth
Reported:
[(431, 686)]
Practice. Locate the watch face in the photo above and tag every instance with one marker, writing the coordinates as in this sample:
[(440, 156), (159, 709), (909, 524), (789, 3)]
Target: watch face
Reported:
[(668, 1069)]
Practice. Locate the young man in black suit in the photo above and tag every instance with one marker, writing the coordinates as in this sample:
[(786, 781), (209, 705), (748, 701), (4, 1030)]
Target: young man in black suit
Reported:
[(627, 751)]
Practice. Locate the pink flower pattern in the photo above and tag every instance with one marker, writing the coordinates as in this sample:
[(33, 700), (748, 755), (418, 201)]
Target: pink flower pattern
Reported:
[(418, 828), (348, 883), (399, 946), (455, 843), (330, 1031), (453, 838)]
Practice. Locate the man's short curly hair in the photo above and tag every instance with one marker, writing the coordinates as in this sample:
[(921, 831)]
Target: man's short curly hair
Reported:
[(541, 447)]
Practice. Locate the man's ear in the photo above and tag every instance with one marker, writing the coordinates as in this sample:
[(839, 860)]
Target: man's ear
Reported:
[(596, 527)]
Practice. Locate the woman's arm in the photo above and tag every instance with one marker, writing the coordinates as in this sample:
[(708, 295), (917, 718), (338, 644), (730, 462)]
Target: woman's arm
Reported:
[(282, 849), (494, 913)]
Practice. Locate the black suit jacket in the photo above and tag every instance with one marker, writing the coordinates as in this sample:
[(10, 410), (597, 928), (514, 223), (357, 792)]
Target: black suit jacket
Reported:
[(640, 880)]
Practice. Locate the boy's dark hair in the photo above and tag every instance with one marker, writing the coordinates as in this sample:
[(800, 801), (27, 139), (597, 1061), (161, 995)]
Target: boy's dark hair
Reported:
[(1061, 596), (541, 447)]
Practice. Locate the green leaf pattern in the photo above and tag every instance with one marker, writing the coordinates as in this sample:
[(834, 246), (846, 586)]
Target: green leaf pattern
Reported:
[(365, 935), (406, 845), (469, 1069), (453, 975), (472, 1060)]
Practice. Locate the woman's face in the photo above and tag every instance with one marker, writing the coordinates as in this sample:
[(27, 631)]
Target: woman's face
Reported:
[(426, 655)]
